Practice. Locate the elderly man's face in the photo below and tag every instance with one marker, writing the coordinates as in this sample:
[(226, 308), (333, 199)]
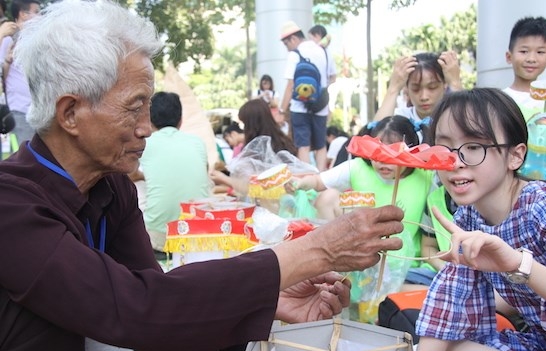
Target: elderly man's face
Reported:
[(113, 132)]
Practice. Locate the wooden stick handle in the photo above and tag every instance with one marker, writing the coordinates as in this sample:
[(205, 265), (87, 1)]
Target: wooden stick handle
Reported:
[(383, 256)]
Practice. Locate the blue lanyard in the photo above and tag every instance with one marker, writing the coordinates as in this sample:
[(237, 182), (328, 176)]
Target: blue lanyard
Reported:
[(45, 162)]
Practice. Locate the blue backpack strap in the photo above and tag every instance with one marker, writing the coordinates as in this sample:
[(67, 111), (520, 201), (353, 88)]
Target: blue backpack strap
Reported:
[(301, 57), (327, 75)]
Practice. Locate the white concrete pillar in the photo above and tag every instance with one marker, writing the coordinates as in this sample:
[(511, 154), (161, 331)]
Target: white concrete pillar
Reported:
[(271, 53), (495, 21)]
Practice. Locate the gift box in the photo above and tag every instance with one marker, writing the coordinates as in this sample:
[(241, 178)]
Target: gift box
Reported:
[(202, 239), (333, 335)]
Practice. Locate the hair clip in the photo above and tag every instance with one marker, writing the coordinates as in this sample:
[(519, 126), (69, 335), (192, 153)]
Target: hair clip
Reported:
[(418, 125), (372, 125)]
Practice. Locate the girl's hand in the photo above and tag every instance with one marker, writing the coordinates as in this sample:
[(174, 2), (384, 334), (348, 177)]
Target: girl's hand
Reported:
[(303, 182), (292, 185), (401, 70), (479, 250), (452, 72)]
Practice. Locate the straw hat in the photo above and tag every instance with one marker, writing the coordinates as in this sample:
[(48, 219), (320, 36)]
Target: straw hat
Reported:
[(289, 28)]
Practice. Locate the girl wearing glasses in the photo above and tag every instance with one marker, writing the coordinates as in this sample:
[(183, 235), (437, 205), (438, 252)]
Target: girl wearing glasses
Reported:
[(498, 234)]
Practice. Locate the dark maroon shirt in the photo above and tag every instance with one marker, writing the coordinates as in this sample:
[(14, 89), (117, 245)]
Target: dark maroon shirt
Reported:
[(55, 289)]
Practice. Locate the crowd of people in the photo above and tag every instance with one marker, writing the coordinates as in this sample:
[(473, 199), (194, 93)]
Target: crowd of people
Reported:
[(80, 261)]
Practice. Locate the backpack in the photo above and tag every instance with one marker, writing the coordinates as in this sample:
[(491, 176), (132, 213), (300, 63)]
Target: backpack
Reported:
[(307, 88), (400, 311)]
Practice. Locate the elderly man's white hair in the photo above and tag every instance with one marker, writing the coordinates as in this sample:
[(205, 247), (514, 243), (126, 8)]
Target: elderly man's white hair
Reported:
[(75, 48)]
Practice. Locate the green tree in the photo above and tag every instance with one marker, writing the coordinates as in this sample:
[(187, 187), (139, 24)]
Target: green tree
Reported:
[(222, 83), (328, 11), (186, 25)]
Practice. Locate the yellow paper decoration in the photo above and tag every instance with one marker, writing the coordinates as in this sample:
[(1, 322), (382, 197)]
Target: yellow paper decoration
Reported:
[(207, 242)]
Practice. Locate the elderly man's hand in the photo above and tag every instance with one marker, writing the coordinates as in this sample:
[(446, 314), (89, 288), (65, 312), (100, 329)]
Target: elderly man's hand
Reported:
[(321, 297), (352, 241)]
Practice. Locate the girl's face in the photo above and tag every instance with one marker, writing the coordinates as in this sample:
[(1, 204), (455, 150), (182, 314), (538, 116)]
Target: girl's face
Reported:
[(386, 171), (425, 93), (231, 139), (487, 185), (266, 85)]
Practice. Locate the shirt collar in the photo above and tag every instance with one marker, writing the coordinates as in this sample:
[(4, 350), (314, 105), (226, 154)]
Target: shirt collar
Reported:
[(100, 195)]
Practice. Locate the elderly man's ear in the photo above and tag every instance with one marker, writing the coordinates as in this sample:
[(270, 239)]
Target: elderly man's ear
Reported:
[(67, 112)]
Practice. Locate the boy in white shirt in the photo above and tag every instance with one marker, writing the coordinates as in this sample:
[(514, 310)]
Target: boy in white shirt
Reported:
[(527, 55)]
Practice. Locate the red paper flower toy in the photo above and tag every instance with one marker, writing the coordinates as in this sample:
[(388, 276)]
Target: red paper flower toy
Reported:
[(420, 156)]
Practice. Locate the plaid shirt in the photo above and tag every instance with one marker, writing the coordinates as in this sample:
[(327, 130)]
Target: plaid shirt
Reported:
[(460, 304)]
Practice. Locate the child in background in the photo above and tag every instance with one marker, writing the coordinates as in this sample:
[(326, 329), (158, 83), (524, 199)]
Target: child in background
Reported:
[(527, 55), (266, 92), (258, 120), (336, 138), (320, 36), (235, 137), (487, 130), (427, 77)]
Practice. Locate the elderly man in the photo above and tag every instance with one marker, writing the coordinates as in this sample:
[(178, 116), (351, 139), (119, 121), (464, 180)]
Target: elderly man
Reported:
[(75, 257)]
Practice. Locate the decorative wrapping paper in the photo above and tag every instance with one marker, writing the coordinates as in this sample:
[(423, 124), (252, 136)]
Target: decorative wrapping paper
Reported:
[(351, 199), (420, 156), (274, 177), (538, 90), (207, 243), (256, 191)]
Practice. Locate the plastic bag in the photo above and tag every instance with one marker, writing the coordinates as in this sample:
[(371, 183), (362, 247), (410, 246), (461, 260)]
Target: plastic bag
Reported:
[(258, 156), (365, 298), (299, 205)]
